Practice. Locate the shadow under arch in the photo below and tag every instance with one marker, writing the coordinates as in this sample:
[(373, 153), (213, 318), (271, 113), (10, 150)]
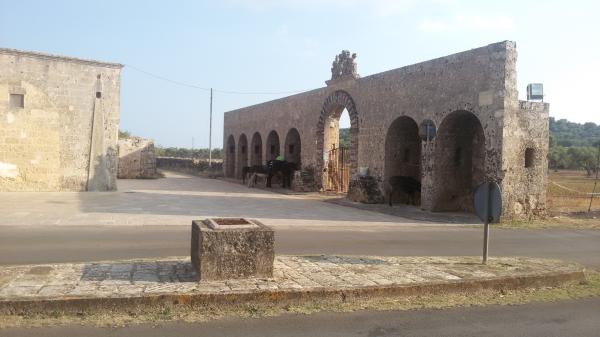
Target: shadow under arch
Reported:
[(327, 131), (273, 146), (293, 147), (256, 154), (242, 155), (459, 164), (230, 157), (403, 149)]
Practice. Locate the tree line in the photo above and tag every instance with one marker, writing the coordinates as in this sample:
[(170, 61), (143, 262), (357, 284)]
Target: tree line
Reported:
[(181, 152), (573, 146)]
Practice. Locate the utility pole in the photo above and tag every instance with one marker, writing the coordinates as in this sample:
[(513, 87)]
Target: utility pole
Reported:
[(192, 147), (210, 131), (596, 180)]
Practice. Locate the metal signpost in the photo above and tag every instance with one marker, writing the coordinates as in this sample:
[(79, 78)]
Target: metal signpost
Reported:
[(488, 207)]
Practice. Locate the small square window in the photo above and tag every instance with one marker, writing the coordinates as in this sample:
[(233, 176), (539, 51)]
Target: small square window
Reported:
[(17, 101), (529, 157)]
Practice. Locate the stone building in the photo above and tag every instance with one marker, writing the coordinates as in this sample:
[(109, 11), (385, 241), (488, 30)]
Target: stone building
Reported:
[(450, 123), (59, 120), (137, 159)]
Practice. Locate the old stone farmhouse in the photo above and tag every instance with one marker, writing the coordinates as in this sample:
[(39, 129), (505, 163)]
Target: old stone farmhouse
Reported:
[(451, 123), (59, 120)]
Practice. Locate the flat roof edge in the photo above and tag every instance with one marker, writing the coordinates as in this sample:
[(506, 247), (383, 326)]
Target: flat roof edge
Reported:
[(47, 56)]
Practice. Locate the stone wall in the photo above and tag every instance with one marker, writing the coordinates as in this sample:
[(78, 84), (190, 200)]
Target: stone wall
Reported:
[(476, 87), (137, 159), (64, 137)]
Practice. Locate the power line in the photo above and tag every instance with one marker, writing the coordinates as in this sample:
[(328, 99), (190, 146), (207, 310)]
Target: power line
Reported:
[(193, 86)]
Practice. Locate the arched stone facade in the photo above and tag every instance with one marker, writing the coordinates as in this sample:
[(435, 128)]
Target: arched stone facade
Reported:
[(471, 98)]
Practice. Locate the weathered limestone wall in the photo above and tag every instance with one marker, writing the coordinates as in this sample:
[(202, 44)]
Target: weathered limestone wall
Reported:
[(64, 138), (477, 86), (137, 159), (524, 183)]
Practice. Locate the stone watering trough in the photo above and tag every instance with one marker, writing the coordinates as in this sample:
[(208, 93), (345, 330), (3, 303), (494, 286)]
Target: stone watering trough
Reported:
[(232, 248)]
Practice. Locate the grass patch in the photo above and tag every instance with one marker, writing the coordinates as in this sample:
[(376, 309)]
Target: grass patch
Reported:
[(560, 222), (571, 291)]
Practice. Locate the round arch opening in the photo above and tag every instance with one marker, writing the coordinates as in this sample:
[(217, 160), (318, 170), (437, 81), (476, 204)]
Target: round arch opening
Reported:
[(256, 157), (273, 147), (337, 163), (230, 158), (242, 155), (403, 156), (460, 161), (293, 147)]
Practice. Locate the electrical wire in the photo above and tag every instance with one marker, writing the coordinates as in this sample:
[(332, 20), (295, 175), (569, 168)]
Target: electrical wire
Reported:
[(230, 92)]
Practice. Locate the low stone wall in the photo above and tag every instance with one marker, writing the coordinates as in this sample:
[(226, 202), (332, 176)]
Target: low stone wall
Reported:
[(137, 159), (188, 165)]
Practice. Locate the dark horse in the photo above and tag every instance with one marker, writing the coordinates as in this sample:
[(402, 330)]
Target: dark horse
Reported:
[(407, 185), (273, 167)]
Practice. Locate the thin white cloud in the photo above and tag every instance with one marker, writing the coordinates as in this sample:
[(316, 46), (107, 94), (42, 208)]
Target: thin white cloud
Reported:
[(468, 22)]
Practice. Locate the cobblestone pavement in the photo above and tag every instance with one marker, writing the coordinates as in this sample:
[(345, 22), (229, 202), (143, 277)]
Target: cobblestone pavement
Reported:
[(175, 275)]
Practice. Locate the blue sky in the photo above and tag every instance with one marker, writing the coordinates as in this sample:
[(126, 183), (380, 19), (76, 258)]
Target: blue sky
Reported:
[(252, 45)]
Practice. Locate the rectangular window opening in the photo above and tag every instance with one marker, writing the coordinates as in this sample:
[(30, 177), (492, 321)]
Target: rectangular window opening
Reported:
[(17, 101)]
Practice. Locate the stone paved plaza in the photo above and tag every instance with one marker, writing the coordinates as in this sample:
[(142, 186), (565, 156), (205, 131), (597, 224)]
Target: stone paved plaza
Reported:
[(178, 199), (304, 273)]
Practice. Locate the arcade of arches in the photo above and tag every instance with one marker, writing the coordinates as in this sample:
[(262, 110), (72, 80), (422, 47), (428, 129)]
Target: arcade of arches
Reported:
[(449, 124)]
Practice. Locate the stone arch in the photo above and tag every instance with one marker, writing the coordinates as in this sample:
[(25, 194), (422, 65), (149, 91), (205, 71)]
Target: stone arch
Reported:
[(256, 151), (242, 155), (459, 161), (403, 149), (230, 157), (273, 148), (328, 128), (293, 147)]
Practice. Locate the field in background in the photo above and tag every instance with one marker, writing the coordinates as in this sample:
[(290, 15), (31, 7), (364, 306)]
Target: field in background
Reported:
[(568, 192)]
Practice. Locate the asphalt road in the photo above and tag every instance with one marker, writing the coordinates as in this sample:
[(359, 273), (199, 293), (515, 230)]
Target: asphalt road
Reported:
[(567, 318), (50, 244)]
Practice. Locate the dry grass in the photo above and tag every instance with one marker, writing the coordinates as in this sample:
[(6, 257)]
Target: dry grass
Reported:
[(567, 193)]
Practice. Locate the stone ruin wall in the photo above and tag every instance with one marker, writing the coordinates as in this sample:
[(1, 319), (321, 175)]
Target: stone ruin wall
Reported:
[(137, 159), (525, 183), (64, 139), (481, 81)]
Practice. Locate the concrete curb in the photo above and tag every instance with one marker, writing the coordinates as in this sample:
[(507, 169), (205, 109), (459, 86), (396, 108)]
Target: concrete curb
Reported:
[(75, 305)]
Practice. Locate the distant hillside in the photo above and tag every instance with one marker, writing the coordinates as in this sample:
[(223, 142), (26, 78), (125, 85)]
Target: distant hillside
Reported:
[(565, 133)]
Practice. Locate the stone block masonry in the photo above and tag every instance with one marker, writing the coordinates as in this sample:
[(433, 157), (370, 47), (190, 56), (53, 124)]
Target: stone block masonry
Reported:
[(59, 121), (227, 248), (121, 286), (470, 101), (137, 159)]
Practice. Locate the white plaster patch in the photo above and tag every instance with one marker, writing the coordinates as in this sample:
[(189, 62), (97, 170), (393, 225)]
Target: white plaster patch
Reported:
[(10, 117), (8, 170), (23, 134), (71, 108), (486, 98)]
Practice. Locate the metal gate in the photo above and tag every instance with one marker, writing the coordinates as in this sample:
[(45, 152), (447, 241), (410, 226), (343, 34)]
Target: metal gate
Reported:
[(337, 174)]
